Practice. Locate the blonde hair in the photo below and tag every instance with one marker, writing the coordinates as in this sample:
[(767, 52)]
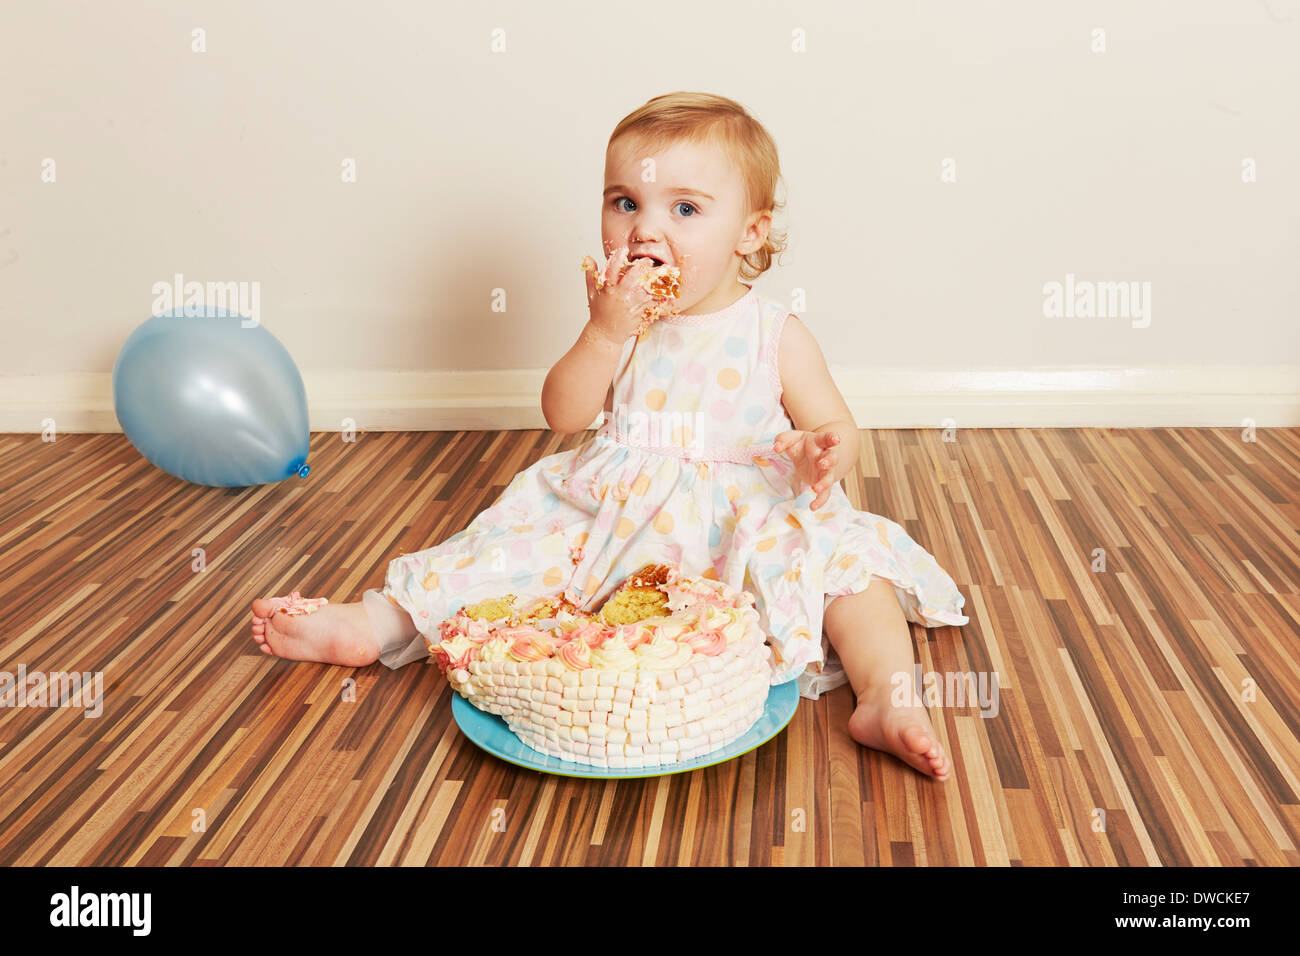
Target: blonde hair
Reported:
[(708, 119)]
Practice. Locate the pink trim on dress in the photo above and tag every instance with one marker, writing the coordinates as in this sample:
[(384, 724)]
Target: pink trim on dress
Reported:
[(771, 355), (745, 301)]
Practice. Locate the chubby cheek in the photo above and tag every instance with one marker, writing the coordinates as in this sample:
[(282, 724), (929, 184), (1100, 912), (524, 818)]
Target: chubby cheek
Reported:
[(687, 263), (700, 275), (611, 239)]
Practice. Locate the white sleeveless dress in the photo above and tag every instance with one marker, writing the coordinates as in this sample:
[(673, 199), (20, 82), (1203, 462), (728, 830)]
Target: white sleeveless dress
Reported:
[(681, 471)]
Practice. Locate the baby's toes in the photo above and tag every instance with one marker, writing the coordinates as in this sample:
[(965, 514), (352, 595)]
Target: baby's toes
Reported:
[(941, 768), (918, 740), (939, 762)]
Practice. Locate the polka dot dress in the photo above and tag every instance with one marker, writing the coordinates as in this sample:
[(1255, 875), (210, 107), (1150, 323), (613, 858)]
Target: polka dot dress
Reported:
[(683, 471)]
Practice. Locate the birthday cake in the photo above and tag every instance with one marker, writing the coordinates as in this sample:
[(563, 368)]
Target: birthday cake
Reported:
[(663, 283), (669, 669)]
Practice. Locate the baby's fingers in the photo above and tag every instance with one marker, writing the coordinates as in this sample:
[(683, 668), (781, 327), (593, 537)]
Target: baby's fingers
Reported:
[(784, 441), (614, 267)]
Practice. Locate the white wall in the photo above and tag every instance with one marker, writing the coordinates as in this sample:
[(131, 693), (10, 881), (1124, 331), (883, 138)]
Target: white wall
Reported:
[(481, 170)]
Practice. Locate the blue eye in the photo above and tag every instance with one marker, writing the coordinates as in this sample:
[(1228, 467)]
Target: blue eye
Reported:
[(691, 206)]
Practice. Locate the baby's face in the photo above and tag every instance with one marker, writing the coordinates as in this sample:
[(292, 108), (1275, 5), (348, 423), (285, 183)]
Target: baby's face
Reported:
[(684, 205)]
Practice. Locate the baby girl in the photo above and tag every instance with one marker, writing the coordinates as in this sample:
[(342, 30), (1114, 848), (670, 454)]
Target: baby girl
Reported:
[(721, 450)]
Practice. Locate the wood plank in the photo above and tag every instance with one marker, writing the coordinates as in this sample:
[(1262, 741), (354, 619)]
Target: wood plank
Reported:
[(1157, 690)]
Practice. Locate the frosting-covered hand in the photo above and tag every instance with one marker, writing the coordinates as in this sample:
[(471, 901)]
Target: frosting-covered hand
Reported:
[(621, 296)]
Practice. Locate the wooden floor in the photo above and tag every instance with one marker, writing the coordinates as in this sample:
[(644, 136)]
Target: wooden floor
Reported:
[(1147, 710)]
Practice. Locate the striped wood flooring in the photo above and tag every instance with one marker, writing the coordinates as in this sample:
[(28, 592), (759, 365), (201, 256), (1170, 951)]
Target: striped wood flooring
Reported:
[(1148, 711)]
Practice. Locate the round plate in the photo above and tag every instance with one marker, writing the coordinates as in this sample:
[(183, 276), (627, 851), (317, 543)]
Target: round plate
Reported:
[(490, 732)]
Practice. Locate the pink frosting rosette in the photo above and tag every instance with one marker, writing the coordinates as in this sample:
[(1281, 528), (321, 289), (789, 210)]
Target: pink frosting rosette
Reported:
[(532, 648), (635, 634), (592, 633), (711, 643), (576, 655), (464, 626), (519, 632), (457, 652)]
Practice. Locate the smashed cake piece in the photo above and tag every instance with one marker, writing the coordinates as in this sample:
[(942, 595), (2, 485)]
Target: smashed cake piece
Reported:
[(664, 286), (493, 609), (638, 598), (506, 610)]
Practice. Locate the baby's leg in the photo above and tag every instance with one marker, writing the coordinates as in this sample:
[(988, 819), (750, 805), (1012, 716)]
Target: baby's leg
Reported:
[(870, 634), (354, 634), (400, 641)]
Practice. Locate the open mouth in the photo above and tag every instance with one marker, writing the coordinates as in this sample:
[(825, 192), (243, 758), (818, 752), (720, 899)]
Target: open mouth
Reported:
[(657, 262)]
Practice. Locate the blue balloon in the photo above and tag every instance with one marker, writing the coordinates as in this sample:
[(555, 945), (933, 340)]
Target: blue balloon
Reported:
[(210, 401)]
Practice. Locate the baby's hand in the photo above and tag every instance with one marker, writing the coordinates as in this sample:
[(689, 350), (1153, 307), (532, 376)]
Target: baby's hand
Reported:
[(813, 459), (617, 295)]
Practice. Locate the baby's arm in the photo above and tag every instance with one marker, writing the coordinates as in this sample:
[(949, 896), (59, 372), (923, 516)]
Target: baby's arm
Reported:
[(811, 397), (577, 385)]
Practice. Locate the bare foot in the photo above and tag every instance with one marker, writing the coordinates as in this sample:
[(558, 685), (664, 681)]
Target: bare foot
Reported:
[(331, 634), (905, 732)]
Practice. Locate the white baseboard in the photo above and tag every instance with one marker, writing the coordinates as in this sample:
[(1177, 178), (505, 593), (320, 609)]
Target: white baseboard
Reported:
[(1060, 397)]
